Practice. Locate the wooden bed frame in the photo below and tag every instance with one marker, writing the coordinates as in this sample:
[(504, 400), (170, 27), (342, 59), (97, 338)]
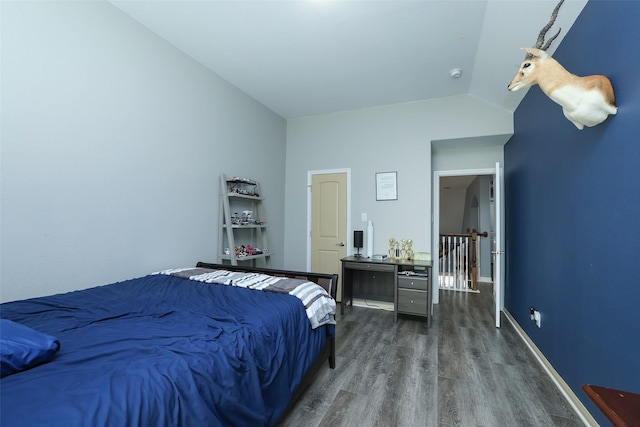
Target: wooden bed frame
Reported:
[(330, 283)]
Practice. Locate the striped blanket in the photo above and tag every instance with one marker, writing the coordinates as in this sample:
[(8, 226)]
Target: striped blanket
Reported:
[(318, 304)]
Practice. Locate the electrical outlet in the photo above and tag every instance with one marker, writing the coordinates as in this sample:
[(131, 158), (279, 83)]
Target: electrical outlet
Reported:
[(536, 316), (364, 217)]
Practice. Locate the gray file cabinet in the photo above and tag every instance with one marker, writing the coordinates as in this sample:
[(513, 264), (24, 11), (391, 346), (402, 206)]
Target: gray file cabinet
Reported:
[(413, 293)]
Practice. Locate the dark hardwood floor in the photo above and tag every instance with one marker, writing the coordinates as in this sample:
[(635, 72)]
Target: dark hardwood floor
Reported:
[(460, 372)]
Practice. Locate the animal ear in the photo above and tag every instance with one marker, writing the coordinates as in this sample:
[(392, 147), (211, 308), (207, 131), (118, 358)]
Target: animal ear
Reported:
[(532, 51)]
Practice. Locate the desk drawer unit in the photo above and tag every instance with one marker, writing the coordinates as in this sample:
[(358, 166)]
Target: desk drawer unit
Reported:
[(413, 295), (419, 283), (412, 301), (363, 266)]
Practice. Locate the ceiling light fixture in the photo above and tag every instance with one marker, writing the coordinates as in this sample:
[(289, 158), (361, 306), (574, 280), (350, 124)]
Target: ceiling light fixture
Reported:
[(455, 73)]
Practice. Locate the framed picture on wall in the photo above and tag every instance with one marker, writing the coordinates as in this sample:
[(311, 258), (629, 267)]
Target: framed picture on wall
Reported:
[(387, 186)]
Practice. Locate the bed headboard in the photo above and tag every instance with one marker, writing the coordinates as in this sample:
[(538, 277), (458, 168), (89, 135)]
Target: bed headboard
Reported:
[(327, 281)]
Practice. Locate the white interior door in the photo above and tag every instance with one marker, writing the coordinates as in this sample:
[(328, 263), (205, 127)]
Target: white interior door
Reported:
[(498, 253)]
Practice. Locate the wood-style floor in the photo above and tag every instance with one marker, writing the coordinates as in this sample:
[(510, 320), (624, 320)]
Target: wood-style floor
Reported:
[(460, 372)]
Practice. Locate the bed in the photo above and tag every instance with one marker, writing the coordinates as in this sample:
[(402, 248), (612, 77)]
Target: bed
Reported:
[(214, 345)]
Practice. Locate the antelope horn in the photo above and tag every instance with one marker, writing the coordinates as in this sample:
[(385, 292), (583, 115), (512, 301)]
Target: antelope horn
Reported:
[(546, 28), (548, 43)]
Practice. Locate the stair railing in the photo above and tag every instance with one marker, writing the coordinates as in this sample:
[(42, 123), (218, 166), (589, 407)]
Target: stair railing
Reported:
[(458, 259)]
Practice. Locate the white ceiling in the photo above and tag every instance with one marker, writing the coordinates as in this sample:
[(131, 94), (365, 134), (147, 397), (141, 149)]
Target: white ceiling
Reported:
[(310, 57)]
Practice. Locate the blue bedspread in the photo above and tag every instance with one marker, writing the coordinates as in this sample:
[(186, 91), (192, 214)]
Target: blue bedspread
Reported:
[(161, 351)]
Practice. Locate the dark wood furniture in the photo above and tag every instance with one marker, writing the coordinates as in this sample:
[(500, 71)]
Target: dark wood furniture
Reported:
[(328, 353), (405, 283), (413, 293), (622, 408), (170, 348)]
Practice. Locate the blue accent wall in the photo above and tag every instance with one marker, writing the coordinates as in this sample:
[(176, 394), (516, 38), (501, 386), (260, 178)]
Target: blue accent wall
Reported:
[(573, 213)]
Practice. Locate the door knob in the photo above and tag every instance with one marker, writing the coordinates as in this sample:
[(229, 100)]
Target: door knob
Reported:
[(340, 244)]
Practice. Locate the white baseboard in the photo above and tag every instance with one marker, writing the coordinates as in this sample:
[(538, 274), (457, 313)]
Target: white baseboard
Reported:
[(485, 279), (564, 388)]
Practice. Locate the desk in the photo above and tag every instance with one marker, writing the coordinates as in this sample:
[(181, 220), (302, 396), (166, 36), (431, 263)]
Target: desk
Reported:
[(405, 283)]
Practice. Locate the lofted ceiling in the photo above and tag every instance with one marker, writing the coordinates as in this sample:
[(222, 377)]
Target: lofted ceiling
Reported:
[(309, 57)]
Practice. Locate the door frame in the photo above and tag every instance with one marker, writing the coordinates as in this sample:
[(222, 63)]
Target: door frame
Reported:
[(435, 231), (310, 175), (499, 249)]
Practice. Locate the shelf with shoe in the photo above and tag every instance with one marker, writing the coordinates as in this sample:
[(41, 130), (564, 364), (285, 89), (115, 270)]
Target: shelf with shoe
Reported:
[(243, 232)]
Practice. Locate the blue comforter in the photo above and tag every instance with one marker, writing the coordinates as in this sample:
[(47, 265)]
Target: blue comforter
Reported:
[(161, 350)]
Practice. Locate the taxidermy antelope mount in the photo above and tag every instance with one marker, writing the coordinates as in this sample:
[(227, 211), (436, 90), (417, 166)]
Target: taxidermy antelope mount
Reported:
[(585, 101)]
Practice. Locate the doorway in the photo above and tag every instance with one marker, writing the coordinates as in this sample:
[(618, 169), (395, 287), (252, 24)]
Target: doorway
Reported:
[(459, 180)]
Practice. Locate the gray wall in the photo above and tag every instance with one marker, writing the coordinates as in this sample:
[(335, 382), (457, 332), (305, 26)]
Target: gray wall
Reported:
[(389, 138), (471, 156), (452, 204), (112, 146)]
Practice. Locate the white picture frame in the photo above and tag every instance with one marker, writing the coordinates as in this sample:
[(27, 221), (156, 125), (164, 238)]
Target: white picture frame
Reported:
[(386, 186)]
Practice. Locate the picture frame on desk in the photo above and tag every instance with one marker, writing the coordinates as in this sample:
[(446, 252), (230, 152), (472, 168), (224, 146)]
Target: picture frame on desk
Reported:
[(386, 186)]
